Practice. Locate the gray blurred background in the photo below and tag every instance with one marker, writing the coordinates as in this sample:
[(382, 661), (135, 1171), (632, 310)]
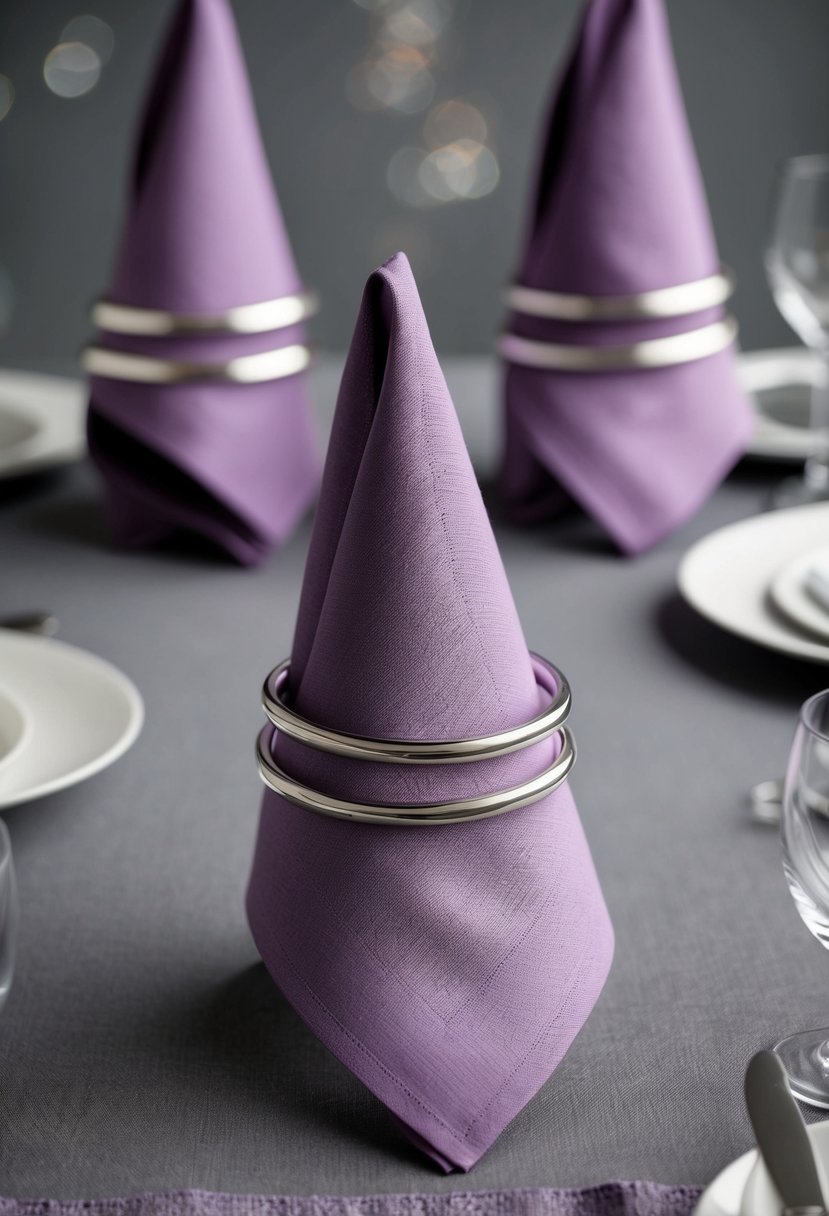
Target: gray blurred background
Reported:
[(351, 96)]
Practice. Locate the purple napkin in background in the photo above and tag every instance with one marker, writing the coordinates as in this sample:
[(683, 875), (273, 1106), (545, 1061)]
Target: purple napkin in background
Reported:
[(612, 1199), (448, 967), (235, 463), (620, 209)]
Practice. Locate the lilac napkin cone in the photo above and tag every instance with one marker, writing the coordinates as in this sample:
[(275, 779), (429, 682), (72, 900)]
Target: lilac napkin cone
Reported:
[(204, 233), (620, 209), (448, 967)]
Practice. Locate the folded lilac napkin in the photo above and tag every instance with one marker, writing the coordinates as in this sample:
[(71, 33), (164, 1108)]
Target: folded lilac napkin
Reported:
[(619, 210), (234, 463), (448, 967), (611, 1199)]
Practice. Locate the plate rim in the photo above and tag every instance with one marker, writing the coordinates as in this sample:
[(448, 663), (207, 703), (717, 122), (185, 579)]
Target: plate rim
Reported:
[(25, 715), (801, 649), (787, 572), (59, 442), (135, 721), (708, 1204)]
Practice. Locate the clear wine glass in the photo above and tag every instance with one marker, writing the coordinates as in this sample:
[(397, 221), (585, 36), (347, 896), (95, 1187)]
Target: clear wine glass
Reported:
[(805, 834), (8, 914), (797, 264)]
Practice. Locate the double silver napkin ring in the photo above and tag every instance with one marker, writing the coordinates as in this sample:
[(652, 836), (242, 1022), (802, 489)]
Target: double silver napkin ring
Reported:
[(149, 369), (256, 368), (258, 318), (457, 751), (432, 814), (683, 299)]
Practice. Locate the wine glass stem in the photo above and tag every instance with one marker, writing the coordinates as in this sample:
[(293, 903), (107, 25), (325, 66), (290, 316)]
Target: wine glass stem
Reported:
[(817, 466)]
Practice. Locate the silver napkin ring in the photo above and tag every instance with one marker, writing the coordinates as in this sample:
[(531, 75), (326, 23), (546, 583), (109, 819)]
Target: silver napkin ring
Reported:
[(675, 301), (147, 369), (398, 751), (244, 319), (433, 814), (649, 353)]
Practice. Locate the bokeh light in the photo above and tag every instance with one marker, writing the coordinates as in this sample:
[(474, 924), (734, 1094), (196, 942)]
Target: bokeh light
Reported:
[(453, 120), (464, 169), (6, 96), (72, 69), (416, 23), (91, 31), (403, 177), (456, 172), (398, 72), (398, 79)]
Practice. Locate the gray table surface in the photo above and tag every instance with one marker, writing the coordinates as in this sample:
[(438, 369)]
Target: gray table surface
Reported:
[(144, 1047)]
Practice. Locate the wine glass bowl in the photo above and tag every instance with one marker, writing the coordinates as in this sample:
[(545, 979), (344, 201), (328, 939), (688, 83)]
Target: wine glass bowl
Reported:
[(805, 839), (797, 260), (797, 265)]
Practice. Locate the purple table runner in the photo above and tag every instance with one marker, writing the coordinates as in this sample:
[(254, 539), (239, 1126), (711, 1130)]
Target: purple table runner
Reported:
[(610, 1199)]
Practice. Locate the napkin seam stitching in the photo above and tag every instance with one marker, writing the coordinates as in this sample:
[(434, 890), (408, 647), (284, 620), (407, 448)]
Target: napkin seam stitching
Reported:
[(499, 967), (462, 1137), (393, 975), (447, 539), (366, 1050), (574, 978)]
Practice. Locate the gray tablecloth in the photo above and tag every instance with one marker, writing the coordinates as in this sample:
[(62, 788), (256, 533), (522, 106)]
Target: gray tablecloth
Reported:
[(144, 1047)]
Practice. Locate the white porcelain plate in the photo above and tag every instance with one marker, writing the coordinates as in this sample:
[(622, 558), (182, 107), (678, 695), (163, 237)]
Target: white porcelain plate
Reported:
[(745, 1189), (724, 1196), (84, 714), (15, 727), (42, 420), (760, 1197), (727, 576), (791, 595), (780, 384)]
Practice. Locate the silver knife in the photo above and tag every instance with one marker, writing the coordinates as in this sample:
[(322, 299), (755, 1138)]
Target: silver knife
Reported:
[(781, 1135)]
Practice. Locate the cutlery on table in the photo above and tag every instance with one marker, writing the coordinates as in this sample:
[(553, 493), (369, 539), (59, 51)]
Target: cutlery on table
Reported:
[(766, 799), (781, 1134)]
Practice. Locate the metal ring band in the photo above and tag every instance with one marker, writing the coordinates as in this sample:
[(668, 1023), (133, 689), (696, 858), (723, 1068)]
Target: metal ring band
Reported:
[(400, 751), (433, 814), (674, 301), (245, 319), (650, 353), (244, 369)]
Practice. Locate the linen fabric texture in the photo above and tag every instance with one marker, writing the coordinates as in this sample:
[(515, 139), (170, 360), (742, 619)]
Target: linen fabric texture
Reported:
[(619, 209), (610, 1199), (448, 967), (234, 463)]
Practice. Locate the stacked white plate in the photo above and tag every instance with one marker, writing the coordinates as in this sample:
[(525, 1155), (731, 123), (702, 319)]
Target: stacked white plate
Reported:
[(64, 715), (750, 578)]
